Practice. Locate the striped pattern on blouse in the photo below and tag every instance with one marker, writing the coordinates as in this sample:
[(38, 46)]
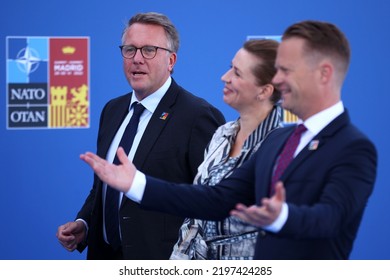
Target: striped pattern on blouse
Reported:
[(195, 236)]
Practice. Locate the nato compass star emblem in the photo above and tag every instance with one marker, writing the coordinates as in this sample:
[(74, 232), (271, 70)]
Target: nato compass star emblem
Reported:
[(28, 60)]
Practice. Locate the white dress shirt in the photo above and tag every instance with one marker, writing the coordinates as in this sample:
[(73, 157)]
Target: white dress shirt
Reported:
[(314, 125), (150, 103)]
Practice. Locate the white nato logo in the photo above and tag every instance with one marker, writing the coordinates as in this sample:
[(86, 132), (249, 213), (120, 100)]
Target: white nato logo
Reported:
[(28, 60)]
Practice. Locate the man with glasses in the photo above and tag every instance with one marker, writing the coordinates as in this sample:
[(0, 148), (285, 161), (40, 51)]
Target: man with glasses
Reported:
[(173, 131), (307, 186)]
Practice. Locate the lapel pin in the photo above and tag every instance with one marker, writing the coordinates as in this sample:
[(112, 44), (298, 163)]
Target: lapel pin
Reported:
[(313, 145), (164, 116)]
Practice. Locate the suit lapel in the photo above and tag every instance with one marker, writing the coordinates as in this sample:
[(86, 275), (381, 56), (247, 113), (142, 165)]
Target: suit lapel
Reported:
[(318, 141), (112, 124), (158, 121)]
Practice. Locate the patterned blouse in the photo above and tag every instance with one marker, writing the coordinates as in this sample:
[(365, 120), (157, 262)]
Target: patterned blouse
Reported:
[(230, 238)]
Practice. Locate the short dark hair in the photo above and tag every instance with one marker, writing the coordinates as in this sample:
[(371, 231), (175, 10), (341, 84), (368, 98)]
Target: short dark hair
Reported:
[(323, 38)]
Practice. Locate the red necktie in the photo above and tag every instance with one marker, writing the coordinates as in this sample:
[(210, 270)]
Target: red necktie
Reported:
[(287, 154)]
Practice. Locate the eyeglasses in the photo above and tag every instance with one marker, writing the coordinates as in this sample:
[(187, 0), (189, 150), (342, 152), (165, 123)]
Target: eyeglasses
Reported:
[(148, 52)]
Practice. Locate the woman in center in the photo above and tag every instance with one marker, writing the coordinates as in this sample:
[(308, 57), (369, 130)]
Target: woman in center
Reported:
[(249, 91)]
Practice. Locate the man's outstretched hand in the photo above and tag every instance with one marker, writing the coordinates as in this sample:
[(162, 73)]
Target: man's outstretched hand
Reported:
[(267, 213), (119, 176)]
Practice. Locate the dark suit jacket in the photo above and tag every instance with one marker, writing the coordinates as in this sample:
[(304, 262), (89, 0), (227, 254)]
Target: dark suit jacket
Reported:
[(170, 149), (327, 189)]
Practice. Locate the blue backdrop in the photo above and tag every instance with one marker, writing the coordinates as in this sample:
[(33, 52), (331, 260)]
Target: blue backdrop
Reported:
[(43, 181)]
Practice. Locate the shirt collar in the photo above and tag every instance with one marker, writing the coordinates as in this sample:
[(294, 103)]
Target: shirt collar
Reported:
[(151, 102), (320, 120)]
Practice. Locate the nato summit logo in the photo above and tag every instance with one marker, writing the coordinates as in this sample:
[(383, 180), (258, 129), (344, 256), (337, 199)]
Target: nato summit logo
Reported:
[(47, 82)]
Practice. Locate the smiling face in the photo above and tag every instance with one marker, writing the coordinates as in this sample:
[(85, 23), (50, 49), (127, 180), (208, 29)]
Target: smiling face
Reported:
[(297, 78), (146, 76), (241, 88)]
